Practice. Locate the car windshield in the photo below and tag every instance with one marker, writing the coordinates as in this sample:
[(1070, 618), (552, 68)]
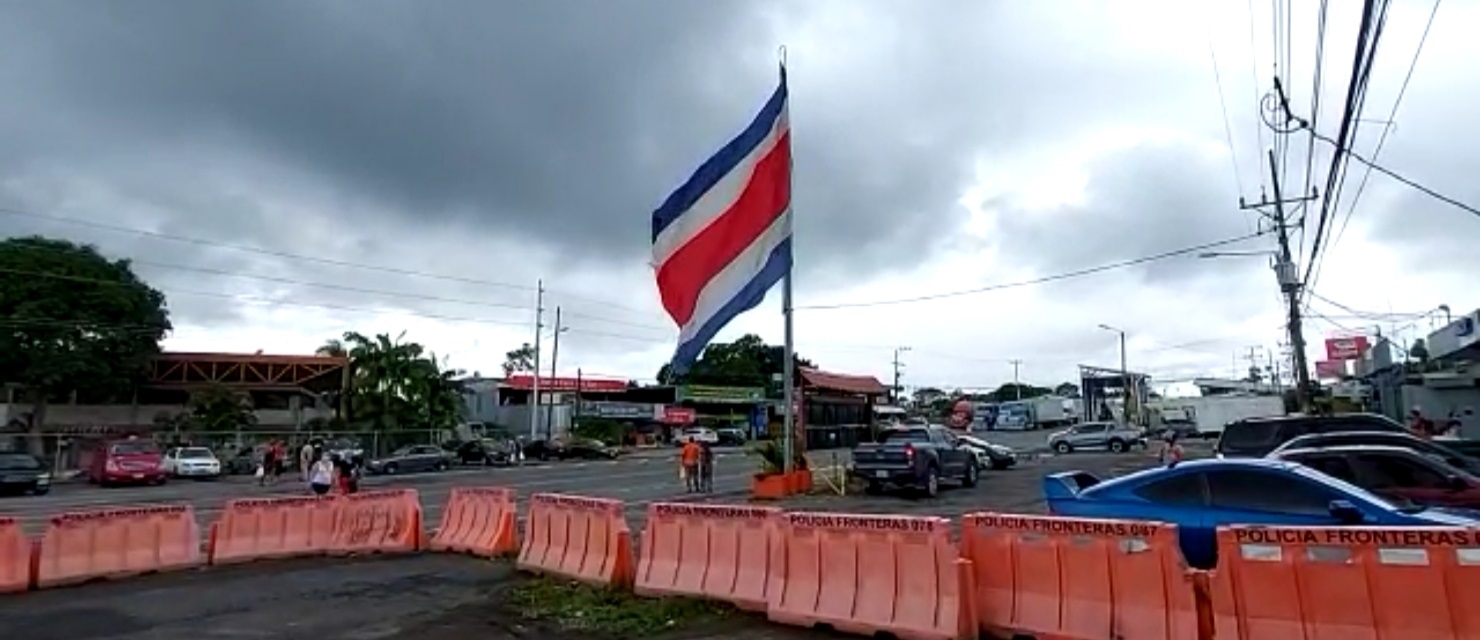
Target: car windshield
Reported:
[(18, 462), (196, 453), (907, 435), (133, 448)]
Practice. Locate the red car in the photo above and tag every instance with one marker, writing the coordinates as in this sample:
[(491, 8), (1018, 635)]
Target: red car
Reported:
[(1393, 472), (127, 461)]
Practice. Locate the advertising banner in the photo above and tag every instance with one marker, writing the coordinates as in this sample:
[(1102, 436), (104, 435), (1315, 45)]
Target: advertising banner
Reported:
[(1347, 348), (720, 395), (587, 385), (1330, 369), (679, 415)]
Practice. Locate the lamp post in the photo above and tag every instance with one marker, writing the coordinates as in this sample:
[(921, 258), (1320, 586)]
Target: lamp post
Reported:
[(1125, 376)]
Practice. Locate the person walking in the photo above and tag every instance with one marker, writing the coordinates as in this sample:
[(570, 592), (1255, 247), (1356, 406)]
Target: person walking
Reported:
[(689, 458), (706, 468), (269, 462), (305, 460), (321, 476)]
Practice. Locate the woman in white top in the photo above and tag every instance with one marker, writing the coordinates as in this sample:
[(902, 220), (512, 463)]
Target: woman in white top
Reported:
[(321, 475)]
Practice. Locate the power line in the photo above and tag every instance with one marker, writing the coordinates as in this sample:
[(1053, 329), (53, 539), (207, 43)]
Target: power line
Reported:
[(1374, 16), (1238, 178), (1392, 116), (102, 226), (1041, 280), (1254, 77), (1406, 181)]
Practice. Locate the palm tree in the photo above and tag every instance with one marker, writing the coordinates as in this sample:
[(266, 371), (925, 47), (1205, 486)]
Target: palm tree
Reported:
[(332, 348), (396, 386)]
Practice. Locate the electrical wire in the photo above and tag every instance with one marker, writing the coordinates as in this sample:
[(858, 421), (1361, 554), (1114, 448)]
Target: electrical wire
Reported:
[(1040, 280), (1374, 16), (1392, 116), (1238, 178), (1468, 208), (1317, 88)]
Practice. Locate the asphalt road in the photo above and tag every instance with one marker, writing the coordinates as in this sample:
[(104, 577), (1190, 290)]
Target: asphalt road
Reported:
[(396, 598)]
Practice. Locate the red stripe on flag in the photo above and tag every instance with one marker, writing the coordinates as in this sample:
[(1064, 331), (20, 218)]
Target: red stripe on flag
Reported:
[(684, 275)]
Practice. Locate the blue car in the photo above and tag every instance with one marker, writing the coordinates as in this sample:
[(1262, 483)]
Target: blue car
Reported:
[(1200, 495)]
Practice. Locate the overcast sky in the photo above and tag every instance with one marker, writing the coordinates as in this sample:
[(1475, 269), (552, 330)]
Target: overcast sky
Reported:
[(287, 171)]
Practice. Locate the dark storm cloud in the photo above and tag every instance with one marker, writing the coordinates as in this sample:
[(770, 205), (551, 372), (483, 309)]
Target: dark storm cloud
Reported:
[(1142, 201)]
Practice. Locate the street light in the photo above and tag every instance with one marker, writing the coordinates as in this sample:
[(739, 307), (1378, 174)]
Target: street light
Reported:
[(1125, 376), (1233, 254)]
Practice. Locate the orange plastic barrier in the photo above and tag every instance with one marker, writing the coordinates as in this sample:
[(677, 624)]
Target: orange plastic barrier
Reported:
[(1347, 583), (377, 522), (710, 551), (263, 528), (582, 538), (117, 543), (1076, 578), (871, 574), (15, 557), (478, 520)]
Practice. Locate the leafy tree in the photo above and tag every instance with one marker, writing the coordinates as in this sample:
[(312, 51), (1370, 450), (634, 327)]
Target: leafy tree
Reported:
[(520, 360), (333, 349), (72, 319), (1013, 391), (396, 387), (746, 362), (1067, 390), (218, 409)]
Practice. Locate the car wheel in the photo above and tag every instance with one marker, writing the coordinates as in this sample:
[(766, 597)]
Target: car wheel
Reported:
[(40, 491), (998, 465), (441, 466), (391, 469), (972, 475), (1117, 446), (873, 488), (932, 483), (1062, 447)]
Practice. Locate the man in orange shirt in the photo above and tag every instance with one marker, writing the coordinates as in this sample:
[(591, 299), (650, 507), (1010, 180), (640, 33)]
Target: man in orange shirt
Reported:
[(689, 458)]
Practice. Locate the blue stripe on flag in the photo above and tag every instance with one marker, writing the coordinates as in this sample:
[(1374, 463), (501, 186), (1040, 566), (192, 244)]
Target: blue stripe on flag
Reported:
[(720, 164), (749, 296)]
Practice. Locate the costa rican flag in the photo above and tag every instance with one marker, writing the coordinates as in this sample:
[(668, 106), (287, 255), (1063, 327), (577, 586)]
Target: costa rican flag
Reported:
[(723, 239)]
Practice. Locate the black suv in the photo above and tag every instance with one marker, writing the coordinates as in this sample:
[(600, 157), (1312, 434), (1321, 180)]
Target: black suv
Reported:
[(1256, 437)]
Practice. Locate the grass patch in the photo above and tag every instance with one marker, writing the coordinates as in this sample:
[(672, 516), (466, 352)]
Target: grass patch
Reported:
[(579, 607)]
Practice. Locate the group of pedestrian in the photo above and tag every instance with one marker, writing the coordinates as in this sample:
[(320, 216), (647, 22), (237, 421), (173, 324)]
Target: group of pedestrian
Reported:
[(274, 460), (697, 466)]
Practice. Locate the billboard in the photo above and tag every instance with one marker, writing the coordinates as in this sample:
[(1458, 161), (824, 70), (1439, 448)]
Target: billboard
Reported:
[(1347, 348), (588, 385), (1330, 369)]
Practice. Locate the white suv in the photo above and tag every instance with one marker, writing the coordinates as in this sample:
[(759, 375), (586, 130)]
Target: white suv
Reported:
[(697, 434)]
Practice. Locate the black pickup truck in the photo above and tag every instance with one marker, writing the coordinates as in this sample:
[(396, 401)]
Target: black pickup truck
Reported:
[(916, 457)]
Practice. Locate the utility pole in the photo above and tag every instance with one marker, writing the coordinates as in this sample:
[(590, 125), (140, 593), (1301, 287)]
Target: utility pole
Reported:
[(1288, 275), (1016, 387), (554, 355), (894, 391), (539, 327), (1253, 359)]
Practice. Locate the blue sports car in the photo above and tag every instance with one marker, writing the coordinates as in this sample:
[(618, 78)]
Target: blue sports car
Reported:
[(1200, 495)]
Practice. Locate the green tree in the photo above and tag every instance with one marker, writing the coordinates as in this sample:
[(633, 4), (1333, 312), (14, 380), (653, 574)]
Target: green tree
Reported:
[(746, 362), (332, 349), (71, 319), (218, 409), (1013, 391), (520, 360), (398, 388), (1067, 390)]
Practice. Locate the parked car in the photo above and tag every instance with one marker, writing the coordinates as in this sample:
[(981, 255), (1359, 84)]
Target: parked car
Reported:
[(23, 473), (1256, 437), (132, 460), (587, 450), (1201, 495), (696, 434), (542, 450), (192, 462), (1097, 435), (1393, 472), (484, 451), (1434, 449), (915, 457), (730, 437), (989, 455), (419, 457)]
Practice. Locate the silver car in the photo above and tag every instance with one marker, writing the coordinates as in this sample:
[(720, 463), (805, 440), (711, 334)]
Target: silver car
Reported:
[(1097, 435)]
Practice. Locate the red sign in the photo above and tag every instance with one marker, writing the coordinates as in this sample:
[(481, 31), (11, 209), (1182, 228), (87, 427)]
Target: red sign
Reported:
[(1330, 369), (679, 415), (1348, 348), (592, 385)]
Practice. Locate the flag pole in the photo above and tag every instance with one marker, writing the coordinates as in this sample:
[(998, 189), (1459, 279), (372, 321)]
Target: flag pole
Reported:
[(788, 366)]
